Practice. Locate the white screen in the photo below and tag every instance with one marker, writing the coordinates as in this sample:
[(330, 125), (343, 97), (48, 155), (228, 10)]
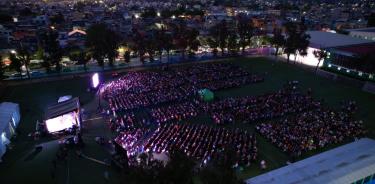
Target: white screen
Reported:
[(61, 122), (95, 80)]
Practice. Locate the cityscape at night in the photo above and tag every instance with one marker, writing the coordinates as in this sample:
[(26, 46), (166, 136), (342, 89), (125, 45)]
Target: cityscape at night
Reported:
[(187, 91)]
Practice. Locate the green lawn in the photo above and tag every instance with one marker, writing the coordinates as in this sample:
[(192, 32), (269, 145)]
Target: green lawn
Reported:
[(20, 167)]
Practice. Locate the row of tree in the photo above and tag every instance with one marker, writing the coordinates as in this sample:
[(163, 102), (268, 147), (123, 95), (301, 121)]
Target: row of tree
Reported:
[(148, 42), (294, 41), (221, 36), (49, 51)]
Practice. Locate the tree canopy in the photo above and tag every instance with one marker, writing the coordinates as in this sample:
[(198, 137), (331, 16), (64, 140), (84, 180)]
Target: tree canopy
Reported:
[(102, 42)]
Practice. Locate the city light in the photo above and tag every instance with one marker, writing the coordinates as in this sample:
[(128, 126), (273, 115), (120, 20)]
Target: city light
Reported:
[(142, 67)]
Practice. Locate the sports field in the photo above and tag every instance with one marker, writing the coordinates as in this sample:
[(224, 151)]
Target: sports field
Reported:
[(22, 165)]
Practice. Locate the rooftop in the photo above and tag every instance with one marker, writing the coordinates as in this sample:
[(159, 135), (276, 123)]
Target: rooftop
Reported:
[(345, 164), (62, 108), (320, 39)]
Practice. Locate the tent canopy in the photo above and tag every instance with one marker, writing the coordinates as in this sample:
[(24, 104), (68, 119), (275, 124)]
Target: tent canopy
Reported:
[(206, 94), (62, 108)]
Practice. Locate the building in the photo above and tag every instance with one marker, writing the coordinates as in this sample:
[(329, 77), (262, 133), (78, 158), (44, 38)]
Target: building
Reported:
[(328, 41), (5, 34), (351, 163), (364, 33), (74, 38)]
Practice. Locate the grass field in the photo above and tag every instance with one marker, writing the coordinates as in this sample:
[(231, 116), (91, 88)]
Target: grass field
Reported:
[(21, 166)]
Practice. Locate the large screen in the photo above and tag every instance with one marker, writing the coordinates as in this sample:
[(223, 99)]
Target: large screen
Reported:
[(95, 80), (60, 123)]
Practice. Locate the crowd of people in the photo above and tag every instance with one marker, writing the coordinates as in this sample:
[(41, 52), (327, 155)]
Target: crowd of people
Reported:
[(253, 108), (230, 82), (143, 82), (124, 122), (171, 96), (137, 100), (311, 130), (131, 141), (150, 88), (210, 72), (175, 112), (203, 142)]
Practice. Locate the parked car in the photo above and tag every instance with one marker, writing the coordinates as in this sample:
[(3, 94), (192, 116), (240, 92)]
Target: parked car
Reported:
[(18, 75), (36, 73)]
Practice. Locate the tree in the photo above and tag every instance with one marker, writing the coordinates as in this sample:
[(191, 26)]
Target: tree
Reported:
[(302, 41), (291, 40), (149, 13), (39, 54), (26, 12), (24, 56), (192, 41), (147, 171), (320, 55), (57, 18), (102, 42), (127, 56), (371, 20), (168, 44), (5, 18), (15, 63), (112, 43), (179, 168), (53, 52), (138, 43), (213, 44), (180, 37), (151, 45), (81, 56), (220, 169), (2, 68), (278, 40), (46, 64), (303, 44), (245, 31), (219, 33), (233, 44), (160, 38)]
